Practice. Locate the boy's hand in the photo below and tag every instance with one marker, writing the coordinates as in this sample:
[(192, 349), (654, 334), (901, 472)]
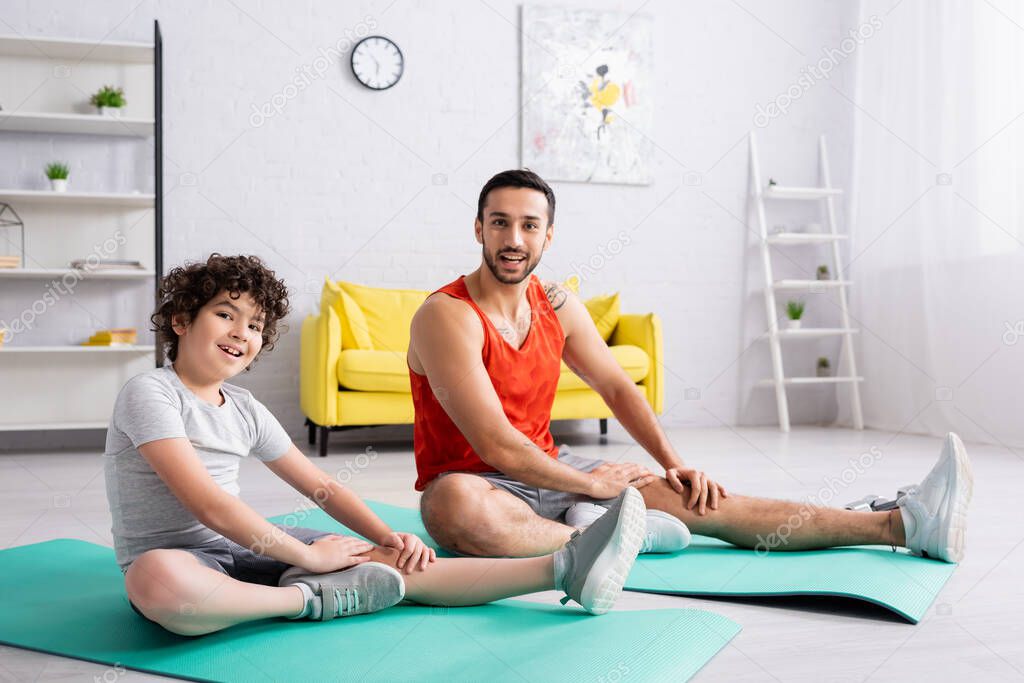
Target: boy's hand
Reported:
[(334, 553), (413, 554)]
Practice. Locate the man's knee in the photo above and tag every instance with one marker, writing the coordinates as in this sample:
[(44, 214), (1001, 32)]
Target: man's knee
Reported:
[(448, 498), (457, 513)]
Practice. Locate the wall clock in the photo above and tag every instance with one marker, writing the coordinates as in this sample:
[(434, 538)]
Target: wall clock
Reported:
[(377, 62)]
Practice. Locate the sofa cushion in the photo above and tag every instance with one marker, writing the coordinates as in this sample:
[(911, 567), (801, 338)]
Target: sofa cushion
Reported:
[(355, 333), (362, 370), (633, 360), (388, 313), (604, 311)]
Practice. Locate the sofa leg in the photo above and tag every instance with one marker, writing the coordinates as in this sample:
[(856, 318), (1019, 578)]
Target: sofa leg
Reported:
[(312, 432), (604, 426), (324, 433)]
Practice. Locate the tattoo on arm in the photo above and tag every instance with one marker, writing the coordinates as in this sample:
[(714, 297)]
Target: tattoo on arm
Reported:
[(556, 295)]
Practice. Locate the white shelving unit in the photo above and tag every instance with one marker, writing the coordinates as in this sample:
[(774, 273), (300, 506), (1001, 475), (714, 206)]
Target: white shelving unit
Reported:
[(760, 195), (809, 285), (132, 348), (47, 197), (814, 332), (57, 273), (803, 238), (54, 383), (77, 49), (83, 124)]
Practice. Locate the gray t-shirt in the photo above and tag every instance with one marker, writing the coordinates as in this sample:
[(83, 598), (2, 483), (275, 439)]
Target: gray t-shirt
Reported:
[(156, 405)]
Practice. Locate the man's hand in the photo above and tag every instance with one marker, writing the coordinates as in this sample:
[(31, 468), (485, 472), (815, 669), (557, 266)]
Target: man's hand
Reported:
[(703, 491), (413, 554), (334, 553), (610, 478)]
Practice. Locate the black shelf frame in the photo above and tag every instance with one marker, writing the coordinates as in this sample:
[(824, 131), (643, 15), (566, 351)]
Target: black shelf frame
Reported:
[(158, 170)]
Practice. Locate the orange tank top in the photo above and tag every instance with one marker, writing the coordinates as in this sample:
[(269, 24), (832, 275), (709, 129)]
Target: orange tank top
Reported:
[(525, 380)]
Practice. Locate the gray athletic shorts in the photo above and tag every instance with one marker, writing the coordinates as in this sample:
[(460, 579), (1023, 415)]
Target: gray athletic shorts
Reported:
[(548, 503), (238, 562)]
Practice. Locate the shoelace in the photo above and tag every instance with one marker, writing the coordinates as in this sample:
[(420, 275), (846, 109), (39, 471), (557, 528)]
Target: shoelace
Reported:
[(647, 543), (348, 600), (564, 588)]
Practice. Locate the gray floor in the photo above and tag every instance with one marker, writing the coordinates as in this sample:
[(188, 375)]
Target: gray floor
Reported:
[(972, 632)]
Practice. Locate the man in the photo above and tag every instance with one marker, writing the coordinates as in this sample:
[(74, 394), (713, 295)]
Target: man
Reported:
[(484, 365)]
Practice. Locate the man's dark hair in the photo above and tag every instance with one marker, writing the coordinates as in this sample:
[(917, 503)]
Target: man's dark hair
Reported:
[(188, 288), (517, 178)]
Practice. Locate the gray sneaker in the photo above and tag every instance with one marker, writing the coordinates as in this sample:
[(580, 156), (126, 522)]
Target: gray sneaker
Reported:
[(364, 588), (594, 564)]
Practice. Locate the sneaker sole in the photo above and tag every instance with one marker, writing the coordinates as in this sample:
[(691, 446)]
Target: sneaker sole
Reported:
[(608, 575), (955, 531)]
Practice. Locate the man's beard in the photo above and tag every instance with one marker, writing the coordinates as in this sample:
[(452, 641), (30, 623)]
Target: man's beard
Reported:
[(509, 278)]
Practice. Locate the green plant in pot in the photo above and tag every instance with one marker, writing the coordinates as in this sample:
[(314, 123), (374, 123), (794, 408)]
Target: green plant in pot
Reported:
[(795, 311), (58, 172), (109, 100), (824, 369), (823, 272)]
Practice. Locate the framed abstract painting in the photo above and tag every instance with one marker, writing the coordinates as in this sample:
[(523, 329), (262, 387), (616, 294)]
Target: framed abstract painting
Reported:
[(587, 81)]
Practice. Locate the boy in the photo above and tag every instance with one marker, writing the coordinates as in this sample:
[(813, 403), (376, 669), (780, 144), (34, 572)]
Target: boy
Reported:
[(197, 559)]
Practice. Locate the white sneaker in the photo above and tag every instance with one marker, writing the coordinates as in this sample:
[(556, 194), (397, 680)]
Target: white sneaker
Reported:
[(935, 511), (665, 533)]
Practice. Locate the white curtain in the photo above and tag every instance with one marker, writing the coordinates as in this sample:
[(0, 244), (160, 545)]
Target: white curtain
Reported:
[(937, 222)]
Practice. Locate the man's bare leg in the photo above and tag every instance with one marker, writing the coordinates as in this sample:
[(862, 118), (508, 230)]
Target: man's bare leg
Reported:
[(766, 524), (465, 513)]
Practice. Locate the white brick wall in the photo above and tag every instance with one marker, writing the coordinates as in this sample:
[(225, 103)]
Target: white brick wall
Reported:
[(342, 167)]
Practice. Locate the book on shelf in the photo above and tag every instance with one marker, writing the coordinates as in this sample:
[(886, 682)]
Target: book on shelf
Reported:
[(10, 261), (106, 264)]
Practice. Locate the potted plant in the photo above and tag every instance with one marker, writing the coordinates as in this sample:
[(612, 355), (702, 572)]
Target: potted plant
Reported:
[(109, 100), (823, 367), (823, 272), (795, 310), (58, 172)]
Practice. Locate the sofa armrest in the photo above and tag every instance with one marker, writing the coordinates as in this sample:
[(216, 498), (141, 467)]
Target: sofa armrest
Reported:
[(318, 367), (644, 330)]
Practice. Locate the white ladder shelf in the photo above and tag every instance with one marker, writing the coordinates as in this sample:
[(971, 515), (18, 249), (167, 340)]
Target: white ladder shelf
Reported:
[(760, 193)]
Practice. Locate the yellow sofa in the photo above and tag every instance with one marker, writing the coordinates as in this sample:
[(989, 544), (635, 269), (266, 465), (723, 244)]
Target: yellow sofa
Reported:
[(354, 371)]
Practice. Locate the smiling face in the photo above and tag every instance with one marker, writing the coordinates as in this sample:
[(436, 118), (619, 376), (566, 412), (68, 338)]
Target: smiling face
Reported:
[(514, 232), (225, 336)]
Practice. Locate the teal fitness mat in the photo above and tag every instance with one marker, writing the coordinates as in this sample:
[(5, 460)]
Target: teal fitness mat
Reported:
[(67, 597), (898, 581)]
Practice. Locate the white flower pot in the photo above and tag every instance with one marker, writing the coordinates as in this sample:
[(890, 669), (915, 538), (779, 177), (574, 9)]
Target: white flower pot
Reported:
[(112, 112), (793, 324), (59, 184), (824, 372)]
